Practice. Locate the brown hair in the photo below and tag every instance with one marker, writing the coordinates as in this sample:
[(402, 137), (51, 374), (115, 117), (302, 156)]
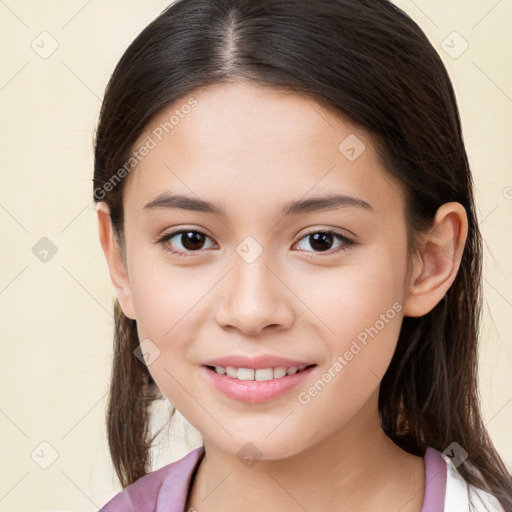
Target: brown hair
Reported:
[(370, 62)]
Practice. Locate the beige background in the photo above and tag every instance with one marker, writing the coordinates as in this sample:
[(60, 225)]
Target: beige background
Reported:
[(56, 315)]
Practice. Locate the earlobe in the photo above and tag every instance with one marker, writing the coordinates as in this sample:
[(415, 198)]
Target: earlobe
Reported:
[(438, 260), (116, 265)]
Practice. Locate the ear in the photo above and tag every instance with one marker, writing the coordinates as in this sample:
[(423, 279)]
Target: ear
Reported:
[(115, 261), (438, 261)]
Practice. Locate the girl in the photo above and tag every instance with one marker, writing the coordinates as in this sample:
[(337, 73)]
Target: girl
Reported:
[(286, 209)]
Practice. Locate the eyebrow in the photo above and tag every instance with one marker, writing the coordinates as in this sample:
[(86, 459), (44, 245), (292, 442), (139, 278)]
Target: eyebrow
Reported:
[(329, 202)]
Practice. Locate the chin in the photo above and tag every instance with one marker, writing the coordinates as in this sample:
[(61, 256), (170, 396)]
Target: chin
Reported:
[(252, 449)]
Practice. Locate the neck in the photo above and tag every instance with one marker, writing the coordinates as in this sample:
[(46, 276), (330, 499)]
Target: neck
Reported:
[(356, 468)]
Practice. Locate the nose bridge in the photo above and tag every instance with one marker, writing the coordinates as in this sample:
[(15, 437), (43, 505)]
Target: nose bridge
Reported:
[(253, 297)]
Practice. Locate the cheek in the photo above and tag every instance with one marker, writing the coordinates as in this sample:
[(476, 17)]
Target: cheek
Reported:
[(372, 322), (171, 306), (364, 315), (168, 309), (165, 296), (359, 310), (354, 296)]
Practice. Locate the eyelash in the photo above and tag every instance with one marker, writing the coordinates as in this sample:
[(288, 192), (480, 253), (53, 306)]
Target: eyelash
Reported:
[(348, 243)]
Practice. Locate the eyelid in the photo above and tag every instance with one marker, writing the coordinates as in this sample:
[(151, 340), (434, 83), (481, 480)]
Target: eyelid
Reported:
[(177, 230), (335, 231)]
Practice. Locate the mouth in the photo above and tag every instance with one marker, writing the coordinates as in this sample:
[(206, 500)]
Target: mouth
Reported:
[(256, 385)]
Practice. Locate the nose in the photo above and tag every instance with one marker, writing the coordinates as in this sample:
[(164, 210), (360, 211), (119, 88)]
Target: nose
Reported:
[(254, 297)]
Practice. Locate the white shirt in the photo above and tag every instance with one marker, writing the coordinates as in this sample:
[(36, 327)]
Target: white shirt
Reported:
[(458, 493)]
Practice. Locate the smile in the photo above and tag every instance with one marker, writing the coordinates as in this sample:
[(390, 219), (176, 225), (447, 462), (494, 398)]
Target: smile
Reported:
[(260, 374), (255, 385)]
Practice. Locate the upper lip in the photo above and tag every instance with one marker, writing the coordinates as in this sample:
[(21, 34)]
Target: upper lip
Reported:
[(256, 362)]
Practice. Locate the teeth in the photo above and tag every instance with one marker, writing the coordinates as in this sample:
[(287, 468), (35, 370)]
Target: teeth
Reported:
[(279, 372), (245, 374), (263, 374), (220, 370), (260, 374), (232, 372)]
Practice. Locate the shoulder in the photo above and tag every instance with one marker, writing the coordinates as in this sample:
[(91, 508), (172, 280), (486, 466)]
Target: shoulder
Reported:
[(163, 489), (460, 494)]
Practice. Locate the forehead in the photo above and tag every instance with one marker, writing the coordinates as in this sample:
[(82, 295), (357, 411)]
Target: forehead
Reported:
[(265, 146)]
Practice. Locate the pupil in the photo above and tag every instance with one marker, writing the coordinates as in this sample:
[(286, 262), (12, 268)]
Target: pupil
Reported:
[(192, 239), (319, 241)]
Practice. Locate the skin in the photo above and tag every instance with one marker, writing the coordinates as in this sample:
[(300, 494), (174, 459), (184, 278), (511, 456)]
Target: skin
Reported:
[(251, 149)]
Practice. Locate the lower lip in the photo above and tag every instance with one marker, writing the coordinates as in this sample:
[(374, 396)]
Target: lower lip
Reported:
[(254, 391)]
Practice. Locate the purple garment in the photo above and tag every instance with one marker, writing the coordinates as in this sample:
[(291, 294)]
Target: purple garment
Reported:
[(436, 472), (167, 488)]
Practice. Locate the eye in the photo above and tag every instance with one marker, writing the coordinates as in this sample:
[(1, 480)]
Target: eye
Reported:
[(191, 240), (322, 241)]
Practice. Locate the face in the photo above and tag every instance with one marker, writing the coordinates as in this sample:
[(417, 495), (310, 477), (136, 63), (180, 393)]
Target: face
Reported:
[(320, 285)]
